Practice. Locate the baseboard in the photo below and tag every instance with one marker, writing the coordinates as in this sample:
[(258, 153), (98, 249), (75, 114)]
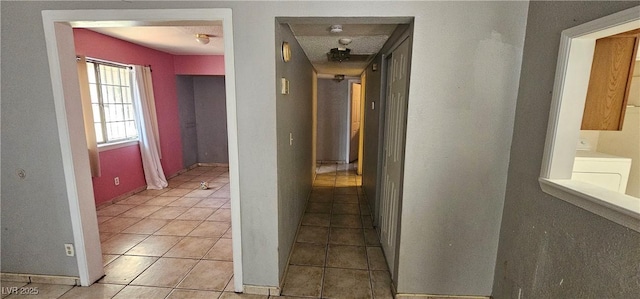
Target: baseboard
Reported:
[(35, 278), (213, 164), (426, 296), (261, 290)]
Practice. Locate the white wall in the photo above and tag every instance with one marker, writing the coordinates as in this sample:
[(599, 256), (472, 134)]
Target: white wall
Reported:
[(450, 196), (333, 120)]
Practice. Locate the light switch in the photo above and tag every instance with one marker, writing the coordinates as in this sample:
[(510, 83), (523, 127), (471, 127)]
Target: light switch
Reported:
[(284, 86)]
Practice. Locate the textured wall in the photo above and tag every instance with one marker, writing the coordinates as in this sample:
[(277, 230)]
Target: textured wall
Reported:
[(294, 160), (211, 118), (333, 120), (199, 65), (548, 247), (187, 113)]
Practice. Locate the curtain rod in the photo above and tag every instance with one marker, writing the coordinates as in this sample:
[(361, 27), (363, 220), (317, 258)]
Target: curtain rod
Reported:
[(111, 63)]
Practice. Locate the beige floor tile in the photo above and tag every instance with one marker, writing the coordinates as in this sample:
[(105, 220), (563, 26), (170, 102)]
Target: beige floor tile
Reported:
[(222, 193), (210, 229), (168, 213), (141, 211), (226, 205), (230, 286), (176, 192), (40, 291), (211, 202), (319, 207), (316, 219), (165, 272), (161, 200), (191, 247), (153, 192), (121, 243), (346, 208), (223, 215), (348, 221), (106, 236), (137, 292), (108, 258), (208, 275), (117, 224), (313, 234), (364, 209), (199, 193), (232, 295), (95, 291), (154, 245), (308, 254), (376, 259), (321, 198), (125, 268), (346, 283), (189, 185), (221, 251), (345, 198), (193, 294), (352, 257), (103, 218), (345, 190), (371, 237), (346, 236), (186, 202), (146, 226), (178, 228), (303, 281), (367, 221), (381, 281), (323, 183), (197, 214), (135, 199), (229, 233)]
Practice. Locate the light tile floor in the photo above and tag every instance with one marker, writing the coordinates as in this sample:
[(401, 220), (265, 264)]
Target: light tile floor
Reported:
[(176, 243), (337, 253)]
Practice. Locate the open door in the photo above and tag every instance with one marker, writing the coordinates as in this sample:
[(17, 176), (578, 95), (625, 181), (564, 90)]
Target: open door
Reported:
[(354, 136)]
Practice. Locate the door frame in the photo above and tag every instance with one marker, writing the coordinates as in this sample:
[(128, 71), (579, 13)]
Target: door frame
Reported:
[(58, 27), (349, 115)]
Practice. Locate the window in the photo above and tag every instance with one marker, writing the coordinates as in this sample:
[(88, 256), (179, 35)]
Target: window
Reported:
[(111, 101), (577, 47)]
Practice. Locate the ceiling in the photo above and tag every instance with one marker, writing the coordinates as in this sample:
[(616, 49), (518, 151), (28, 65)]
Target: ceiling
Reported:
[(176, 40), (316, 40), (368, 35)]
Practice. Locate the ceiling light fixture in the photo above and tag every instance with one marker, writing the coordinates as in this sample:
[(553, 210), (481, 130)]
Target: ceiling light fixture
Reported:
[(344, 41), (202, 38), (336, 28)]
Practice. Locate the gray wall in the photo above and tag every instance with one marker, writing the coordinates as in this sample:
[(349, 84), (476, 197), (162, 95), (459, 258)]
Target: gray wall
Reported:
[(211, 118), (447, 204), (203, 119), (294, 114), (548, 247), (187, 114), (333, 120)]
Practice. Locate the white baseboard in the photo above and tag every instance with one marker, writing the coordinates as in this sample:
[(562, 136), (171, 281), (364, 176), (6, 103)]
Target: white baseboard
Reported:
[(35, 278)]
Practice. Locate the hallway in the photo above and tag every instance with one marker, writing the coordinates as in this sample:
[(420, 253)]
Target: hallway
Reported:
[(337, 253)]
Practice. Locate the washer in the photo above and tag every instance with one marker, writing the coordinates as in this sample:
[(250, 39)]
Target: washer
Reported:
[(607, 171)]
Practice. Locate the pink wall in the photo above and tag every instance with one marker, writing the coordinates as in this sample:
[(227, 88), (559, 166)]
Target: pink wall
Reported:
[(199, 65), (125, 162)]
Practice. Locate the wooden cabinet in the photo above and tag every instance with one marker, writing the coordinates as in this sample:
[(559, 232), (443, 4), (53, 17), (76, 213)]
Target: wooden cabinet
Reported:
[(610, 82)]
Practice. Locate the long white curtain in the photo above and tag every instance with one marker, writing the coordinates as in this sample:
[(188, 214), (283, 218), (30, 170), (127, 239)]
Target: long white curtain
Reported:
[(144, 104), (87, 114)]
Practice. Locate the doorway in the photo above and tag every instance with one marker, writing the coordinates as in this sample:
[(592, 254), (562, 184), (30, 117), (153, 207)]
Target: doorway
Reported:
[(58, 27)]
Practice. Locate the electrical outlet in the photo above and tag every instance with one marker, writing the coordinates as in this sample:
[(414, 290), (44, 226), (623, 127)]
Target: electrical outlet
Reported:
[(116, 181), (68, 248)]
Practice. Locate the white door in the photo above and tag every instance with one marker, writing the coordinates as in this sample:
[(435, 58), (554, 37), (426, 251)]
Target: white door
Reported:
[(393, 151), (354, 136)]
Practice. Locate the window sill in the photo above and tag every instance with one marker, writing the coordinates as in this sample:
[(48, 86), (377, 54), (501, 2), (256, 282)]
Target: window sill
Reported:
[(116, 145), (617, 207)]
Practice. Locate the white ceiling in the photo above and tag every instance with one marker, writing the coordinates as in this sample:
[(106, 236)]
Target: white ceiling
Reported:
[(316, 40), (176, 40)]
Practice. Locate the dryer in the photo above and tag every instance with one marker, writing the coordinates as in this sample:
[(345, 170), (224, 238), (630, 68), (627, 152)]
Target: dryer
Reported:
[(604, 170)]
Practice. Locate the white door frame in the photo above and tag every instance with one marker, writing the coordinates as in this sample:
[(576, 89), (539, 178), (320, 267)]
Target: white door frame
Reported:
[(58, 25)]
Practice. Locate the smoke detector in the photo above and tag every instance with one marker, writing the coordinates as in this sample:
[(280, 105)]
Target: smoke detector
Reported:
[(336, 28), (344, 41)]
